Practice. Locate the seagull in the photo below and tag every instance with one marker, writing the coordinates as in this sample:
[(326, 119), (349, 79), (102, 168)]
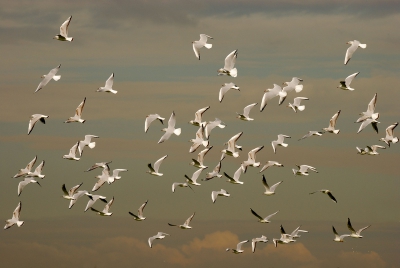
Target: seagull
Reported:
[(354, 45), (211, 125), (295, 233), (25, 171), (200, 158), (115, 174), (279, 142), (63, 36), (199, 140), (251, 161), (98, 165), (230, 61), (215, 194), (150, 118), (332, 123), (15, 218), (48, 77), (70, 194), (353, 232), (108, 86), (389, 135), (270, 94), (214, 173), (105, 211), (296, 104), (269, 190), (261, 219), (337, 237), (93, 198), (34, 119), (231, 146), (290, 86), (365, 123), (254, 242), (76, 195), (78, 114), (87, 142), (236, 176), (171, 129), (139, 216), (270, 164), (303, 170), (246, 111), (198, 117), (370, 113), (185, 225), (371, 150), (345, 85), (180, 184), (238, 247), (201, 43), (38, 171), (159, 235), (225, 88), (311, 133), (195, 176), (326, 192), (25, 182), (154, 171)]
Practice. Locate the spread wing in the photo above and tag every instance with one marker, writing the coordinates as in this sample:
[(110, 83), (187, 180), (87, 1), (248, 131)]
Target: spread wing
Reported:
[(230, 60), (110, 81), (157, 164), (78, 111), (64, 27)]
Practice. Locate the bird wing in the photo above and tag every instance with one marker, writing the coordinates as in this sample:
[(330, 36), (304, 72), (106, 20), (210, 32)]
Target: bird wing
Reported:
[(332, 197), (47, 78), (230, 60), (79, 109), (389, 130), (200, 156), (110, 81), (239, 245), (269, 94), (232, 141), (237, 174), (64, 27), (64, 190), (196, 174), (372, 104), (30, 164), (199, 113), (350, 78), (298, 100), (73, 149), (98, 184), (273, 187), (362, 229), (107, 207), (255, 214), (73, 189), (203, 38), (140, 210), (246, 110), (264, 181), (172, 121), (158, 163), (17, 211), (149, 119), (349, 53), (214, 195), (39, 168), (117, 171), (196, 49), (270, 216), (165, 137), (333, 120), (32, 122), (349, 226), (187, 222), (364, 124)]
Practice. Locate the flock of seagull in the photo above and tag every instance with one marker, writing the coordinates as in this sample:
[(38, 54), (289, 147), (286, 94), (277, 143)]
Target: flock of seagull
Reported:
[(202, 139)]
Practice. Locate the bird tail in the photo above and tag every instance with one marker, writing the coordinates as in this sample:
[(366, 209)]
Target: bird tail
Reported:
[(298, 88), (19, 223), (235, 154), (233, 72), (177, 131), (395, 140), (301, 108), (363, 45), (205, 143), (336, 131), (284, 144), (56, 77), (92, 145), (208, 46)]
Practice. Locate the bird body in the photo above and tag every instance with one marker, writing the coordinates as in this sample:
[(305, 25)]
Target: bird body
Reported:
[(157, 164)]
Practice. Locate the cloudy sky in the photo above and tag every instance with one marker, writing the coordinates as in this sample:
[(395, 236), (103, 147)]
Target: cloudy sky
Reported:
[(147, 44)]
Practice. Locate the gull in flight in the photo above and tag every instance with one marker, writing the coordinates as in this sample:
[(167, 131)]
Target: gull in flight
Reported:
[(246, 113), (326, 192), (353, 232), (303, 170), (25, 171), (76, 194), (232, 146), (87, 142), (236, 176), (195, 176), (370, 150), (180, 184), (115, 174), (296, 104), (279, 142), (171, 129), (106, 210), (269, 190), (311, 133), (200, 158), (370, 113), (93, 198), (48, 77), (225, 88), (254, 242), (215, 194), (63, 36), (332, 123), (139, 216), (285, 238), (157, 164), (389, 135), (34, 119), (198, 117), (70, 194), (251, 161), (345, 85), (25, 182), (38, 171), (270, 164), (72, 153), (261, 219), (201, 43), (185, 225), (106, 177), (199, 140), (78, 114), (108, 86), (238, 247), (15, 218), (159, 235), (290, 86), (337, 237), (270, 94), (98, 165), (354, 45), (150, 118), (214, 173), (295, 233), (365, 123), (230, 61), (211, 125)]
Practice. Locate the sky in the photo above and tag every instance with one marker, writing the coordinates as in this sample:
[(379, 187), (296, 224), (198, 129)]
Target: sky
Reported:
[(147, 44)]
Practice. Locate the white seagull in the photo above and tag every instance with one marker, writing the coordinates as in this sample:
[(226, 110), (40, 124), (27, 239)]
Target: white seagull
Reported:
[(48, 77), (279, 142), (185, 225), (270, 190), (106, 210), (270, 164), (354, 45), (87, 142), (195, 176), (93, 198), (238, 247), (324, 191), (296, 104), (270, 94), (34, 119), (180, 184), (214, 173), (69, 194), (254, 242), (246, 113), (63, 36), (337, 237), (171, 129), (38, 171), (311, 133), (354, 233), (365, 123), (25, 171), (150, 118), (200, 158), (389, 135), (225, 88), (290, 86), (215, 194), (108, 86), (78, 114), (261, 219), (198, 117), (332, 124), (303, 170), (211, 125), (232, 146), (236, 176), (25, 182), (199, 140), (139, 216), (157, 164), (230, 61), (371, 150), (159, 235), (201, 43), (15, 218), (345, 85), (251, 160), (370, 113)]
